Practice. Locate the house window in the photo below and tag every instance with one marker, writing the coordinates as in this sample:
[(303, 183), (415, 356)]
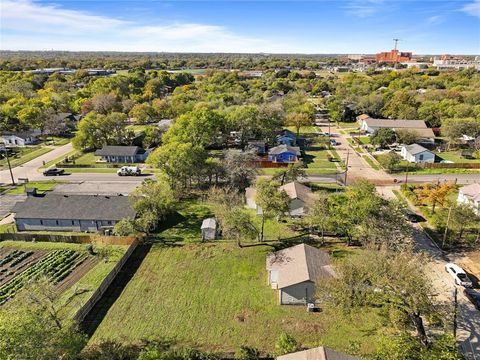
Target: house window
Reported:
[(420, 157), (41, 222), (109, 222), (73, 222), (56, 222)]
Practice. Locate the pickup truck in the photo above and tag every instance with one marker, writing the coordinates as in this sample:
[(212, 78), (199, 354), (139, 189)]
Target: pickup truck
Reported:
[(129, 171), (53, 172)]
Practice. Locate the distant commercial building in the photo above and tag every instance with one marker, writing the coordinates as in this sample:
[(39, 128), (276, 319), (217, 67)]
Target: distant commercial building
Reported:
[(393, 56), (450, 62), (355, 57)]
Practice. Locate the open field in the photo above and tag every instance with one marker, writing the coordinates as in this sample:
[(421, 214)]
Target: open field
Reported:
[(215, 296), (23, 155)]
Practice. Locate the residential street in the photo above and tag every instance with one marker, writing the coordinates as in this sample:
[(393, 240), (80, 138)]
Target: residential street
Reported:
[(29, 169)]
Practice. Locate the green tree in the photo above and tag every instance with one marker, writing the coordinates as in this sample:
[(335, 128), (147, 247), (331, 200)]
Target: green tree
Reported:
[(272, 201), (153, 201), (124, 227), (142, 113), (390, 161), (383, 137), (292, 172), (407, 137), (32, 327)]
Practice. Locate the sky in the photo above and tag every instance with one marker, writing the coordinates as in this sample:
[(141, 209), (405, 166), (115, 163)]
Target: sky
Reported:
[(312, 27)]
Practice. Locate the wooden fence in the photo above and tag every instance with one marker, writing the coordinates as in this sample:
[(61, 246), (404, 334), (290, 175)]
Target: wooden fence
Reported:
[(97, 295), (450, 165), (77, 239)]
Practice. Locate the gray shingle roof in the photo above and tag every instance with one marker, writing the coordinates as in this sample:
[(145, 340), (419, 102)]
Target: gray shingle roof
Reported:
[(109, 150), (75, 207), (415, 149), (284, 148), (299, 263)]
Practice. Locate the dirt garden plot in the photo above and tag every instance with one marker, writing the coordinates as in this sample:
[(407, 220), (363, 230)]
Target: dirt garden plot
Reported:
[(63, 267)]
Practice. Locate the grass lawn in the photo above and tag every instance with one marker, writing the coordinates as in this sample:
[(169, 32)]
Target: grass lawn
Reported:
[(57, 141), (365, 140), (24, 155), (215, 297), (348, 125), (316, 159), (87, 159), (41, 186), (456, 156), (58, 159), (370, 162)]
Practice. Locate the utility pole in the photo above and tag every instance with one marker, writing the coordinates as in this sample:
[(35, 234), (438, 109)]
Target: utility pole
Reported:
[(446, 227), (346, 167), (8, 162), (455, 310)]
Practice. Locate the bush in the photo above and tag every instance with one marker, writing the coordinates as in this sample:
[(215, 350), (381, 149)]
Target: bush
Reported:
[(247, 353), (286, 344)]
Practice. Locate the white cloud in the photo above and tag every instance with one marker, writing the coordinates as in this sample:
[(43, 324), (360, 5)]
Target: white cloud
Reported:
[(363, 8), (27, 15), (34, 26), (435, 19), (472, 8)]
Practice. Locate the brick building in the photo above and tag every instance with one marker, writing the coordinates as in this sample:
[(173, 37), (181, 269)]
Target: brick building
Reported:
[(393, 56)]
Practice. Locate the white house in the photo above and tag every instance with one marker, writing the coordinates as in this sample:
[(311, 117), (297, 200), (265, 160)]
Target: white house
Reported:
[(369, 125), (470, 195), (293, 272), (20, 139), (417, 154), (301, 196)]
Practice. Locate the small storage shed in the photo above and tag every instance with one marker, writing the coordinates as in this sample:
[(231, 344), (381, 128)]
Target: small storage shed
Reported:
[(209, 229)]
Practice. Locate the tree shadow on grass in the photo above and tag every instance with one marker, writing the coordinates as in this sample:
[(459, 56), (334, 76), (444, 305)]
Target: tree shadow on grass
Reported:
[(115, 289)]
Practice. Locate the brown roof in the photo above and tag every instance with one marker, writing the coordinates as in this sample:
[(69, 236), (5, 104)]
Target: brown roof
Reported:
[(362, 117), (396, 124), (296, 190), (424, 133), (298, 264), (471, 191), (318, 353)]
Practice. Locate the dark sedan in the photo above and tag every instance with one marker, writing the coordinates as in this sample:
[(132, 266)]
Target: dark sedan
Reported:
[(473, 296), (53, 172)]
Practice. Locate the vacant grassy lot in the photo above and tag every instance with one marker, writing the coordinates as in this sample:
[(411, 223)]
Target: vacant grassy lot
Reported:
[(215, 297), (23, 155), (456, 156)]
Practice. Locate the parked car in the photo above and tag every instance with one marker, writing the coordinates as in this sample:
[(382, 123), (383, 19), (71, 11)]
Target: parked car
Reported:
[(53, 172), (473, 296), (458, 274), (129, 171)]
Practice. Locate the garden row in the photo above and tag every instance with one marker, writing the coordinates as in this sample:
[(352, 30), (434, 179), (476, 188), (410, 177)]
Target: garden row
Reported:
[(57, 265)]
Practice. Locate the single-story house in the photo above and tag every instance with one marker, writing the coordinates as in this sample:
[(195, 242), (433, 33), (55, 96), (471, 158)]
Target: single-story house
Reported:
[(57, 212), (286, 137), (369, 125), (209, 229), (318, 353), (470, 195), (259, 147), (293, 272), (417, 154), (122, 154), (284, 154), (20, 139), (301, 196)]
